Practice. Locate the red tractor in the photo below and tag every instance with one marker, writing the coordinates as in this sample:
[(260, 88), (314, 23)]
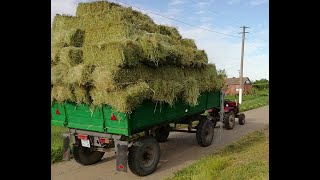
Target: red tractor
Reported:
[(231, 111)]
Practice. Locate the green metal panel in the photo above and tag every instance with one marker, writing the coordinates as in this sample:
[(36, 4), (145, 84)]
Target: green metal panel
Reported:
[(119, 126), (81, 117), (150, 114), (146, 115), (56, 119), (213, 99)]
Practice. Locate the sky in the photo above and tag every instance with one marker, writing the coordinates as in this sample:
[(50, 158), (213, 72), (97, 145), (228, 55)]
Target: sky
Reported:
[(213, 24)]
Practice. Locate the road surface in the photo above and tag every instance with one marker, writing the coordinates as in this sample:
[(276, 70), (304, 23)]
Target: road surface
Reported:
[(179, 151)]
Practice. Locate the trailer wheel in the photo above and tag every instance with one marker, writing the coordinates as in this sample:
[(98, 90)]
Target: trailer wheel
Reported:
[(229, 120), (162, 133), (242, 119), (144, 156), (205, 133), (85, 156)]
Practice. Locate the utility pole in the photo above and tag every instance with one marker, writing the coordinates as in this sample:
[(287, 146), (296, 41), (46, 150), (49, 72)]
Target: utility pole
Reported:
[(241, 66)]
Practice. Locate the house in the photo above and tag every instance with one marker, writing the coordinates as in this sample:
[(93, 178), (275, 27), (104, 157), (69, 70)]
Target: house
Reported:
[(232, 84)]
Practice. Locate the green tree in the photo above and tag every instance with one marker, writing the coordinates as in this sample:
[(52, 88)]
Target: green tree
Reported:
[(223, 73), (261, 84)]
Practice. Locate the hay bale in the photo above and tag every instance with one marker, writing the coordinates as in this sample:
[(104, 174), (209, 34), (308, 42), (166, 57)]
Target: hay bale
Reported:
[(55, 54), (111, 12), (61, 93), (156, 48), (63, 22), (170, 31), (95, 8), (123, 100), (79, 75), (120, 53), (81, 95), (71, 55), (70, 37), (188, 43), (59, 72), (166, 91)]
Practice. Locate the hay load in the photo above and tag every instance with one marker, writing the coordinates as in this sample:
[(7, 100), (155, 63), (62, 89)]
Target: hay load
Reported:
[(116, 56)]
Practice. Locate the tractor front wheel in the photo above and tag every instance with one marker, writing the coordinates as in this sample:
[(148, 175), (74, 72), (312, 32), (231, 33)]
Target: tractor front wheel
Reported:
[(242, 119)]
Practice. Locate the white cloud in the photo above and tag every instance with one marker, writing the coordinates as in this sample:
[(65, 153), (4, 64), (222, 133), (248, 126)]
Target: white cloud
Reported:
[(232, 2), (176, 2), (258, 2)]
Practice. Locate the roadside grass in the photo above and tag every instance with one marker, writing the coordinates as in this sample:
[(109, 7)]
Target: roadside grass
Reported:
[(56, 143), (246, 158)]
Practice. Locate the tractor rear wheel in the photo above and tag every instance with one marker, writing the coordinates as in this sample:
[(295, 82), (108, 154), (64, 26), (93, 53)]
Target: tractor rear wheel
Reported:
[(229, 120)]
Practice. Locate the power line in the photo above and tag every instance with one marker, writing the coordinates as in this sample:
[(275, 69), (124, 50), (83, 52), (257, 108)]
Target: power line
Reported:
[(179, 21), (255, 46)]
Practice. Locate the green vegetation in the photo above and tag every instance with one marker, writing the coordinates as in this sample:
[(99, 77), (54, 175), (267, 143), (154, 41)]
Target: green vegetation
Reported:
[(247, 158), (56, 143)]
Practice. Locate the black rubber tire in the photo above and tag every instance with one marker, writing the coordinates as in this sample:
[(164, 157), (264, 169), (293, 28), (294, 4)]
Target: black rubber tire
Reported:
[(85, 156), (137, 154), (205, 132), (229, 120), (162, 133), (242, 119)]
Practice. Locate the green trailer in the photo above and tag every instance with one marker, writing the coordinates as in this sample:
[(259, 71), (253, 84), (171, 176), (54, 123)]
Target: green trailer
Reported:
[(135, 135)]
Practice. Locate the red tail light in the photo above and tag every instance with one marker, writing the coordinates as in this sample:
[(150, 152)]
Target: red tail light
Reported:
[(82, 136), (57, 112), (113, 117), (103, 140)]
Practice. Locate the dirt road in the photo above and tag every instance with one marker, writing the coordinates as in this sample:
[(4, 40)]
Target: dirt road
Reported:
[(180, 150)]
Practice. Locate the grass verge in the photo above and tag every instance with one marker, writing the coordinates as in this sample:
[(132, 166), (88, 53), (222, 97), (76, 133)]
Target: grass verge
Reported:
[(56, 143), (247, 158)]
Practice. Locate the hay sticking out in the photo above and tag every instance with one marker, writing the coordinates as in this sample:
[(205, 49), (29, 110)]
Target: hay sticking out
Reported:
[(191, 91), (123, 100), (61, 93), (72, 55), (166, 91), (116, 53)]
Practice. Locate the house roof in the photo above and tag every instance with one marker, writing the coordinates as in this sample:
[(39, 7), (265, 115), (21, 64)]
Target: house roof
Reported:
[(234, 80)]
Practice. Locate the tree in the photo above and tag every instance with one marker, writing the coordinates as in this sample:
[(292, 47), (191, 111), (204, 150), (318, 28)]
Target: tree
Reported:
[(223, 73), (261, 84)]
